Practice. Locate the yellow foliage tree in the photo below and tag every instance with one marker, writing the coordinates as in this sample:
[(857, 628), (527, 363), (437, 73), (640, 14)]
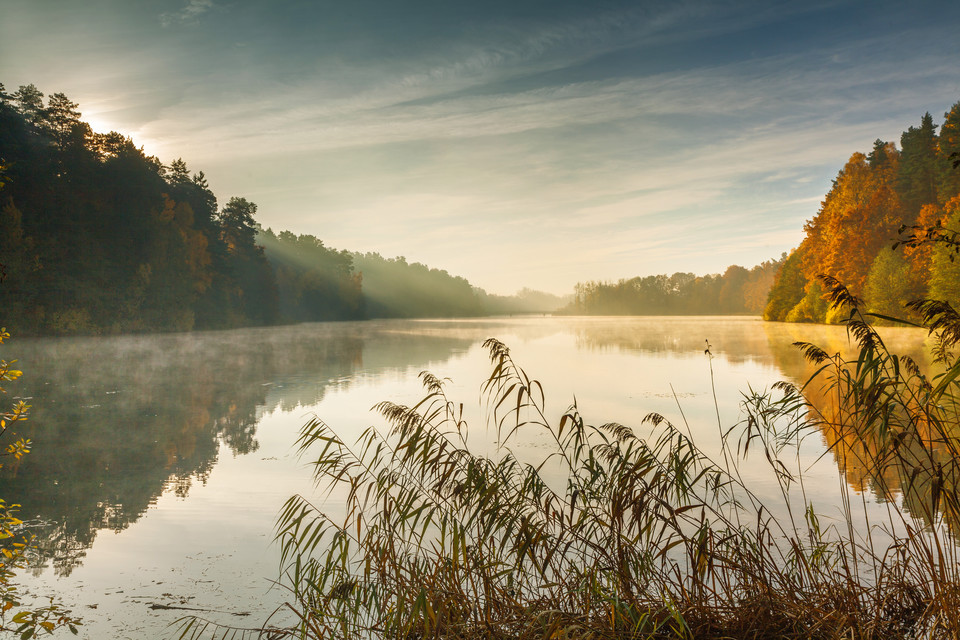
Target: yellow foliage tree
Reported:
[(15, 618), (859, 216)]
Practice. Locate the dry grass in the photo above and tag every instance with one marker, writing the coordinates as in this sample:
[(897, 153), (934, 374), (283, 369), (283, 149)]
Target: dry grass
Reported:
[(644, 537)]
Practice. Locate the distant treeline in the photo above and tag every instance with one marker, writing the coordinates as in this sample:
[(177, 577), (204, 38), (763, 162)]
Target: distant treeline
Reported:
[(98, 237), (737, 291), (876, 201)]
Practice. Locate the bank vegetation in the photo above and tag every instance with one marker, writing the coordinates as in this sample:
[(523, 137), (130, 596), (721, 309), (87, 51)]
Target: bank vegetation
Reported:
[(620, 532)]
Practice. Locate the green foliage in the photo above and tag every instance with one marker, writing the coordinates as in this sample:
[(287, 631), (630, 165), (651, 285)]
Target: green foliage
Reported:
[(948, 147), (251, 282), (890, 284), (394, 288), (61, 117), (30, 102), (21, 263), (313, 281), (237, 225), (812, 307), (788, 288), (857, 221), (97, 237), (919, 167), (108, 240), (945, 266), (738, 290)]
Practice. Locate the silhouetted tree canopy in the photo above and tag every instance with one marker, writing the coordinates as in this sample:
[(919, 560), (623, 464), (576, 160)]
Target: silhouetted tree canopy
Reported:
[(98, 237)]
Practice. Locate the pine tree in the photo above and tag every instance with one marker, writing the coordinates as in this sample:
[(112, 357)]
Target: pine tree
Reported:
[(60, 118), (918, 172), (177, 173), (949, 144), (30, 103)]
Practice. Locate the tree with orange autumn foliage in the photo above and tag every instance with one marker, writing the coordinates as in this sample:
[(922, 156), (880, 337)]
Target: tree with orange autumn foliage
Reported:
[(875, 198), (919, 256), (859, 216)]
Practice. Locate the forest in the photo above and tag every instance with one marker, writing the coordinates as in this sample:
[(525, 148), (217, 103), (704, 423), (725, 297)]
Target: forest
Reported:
[(883, 230), (97, 237), (737, 291)]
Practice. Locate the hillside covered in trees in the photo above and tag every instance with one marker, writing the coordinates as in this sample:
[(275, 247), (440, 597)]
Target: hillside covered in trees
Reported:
[(98, 237), (905, 197), (737, 291)]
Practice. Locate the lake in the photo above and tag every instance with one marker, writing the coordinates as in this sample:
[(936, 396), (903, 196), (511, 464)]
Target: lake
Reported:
[(160, 462)]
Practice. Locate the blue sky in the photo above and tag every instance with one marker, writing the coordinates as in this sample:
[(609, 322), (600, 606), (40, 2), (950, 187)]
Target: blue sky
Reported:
[(514, 143)]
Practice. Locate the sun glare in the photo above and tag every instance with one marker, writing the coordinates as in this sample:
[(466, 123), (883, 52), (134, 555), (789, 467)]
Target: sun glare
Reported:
[(100, 123)]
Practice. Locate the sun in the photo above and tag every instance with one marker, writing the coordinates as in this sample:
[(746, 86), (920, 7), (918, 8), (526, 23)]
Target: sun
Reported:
[(100, 122)]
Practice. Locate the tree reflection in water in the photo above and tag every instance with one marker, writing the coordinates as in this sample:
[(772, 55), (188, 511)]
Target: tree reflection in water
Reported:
[(120, 421), (862, 456)]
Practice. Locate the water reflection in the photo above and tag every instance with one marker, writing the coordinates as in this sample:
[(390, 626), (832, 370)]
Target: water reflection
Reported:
[(737, 339), (908, 474), (116, 422), (909, 479)]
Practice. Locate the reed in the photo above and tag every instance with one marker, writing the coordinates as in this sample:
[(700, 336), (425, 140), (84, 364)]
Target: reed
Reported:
[(617, 535)]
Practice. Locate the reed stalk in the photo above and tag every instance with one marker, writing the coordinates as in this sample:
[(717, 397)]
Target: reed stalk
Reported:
[(621, 534)]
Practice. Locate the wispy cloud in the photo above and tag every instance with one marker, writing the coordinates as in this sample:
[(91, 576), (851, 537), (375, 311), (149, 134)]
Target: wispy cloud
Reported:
[(189, 13), (673, 166), (660, 135), (771, 91)]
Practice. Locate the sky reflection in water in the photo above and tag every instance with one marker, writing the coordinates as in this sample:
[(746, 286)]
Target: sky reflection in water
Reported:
[(160, 462)]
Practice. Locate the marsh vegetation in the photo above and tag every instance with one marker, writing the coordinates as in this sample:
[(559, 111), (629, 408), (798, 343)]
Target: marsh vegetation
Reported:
[(620, 532)]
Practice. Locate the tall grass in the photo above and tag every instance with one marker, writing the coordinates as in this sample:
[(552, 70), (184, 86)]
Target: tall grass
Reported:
[(618, 535)]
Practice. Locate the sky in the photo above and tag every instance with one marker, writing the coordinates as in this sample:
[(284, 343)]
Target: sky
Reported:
[(515, 143)]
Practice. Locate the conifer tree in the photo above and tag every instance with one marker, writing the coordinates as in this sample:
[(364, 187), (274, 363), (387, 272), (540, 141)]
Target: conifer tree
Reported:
[(949, 144), (918, 172), (30, 103), (60, 118)]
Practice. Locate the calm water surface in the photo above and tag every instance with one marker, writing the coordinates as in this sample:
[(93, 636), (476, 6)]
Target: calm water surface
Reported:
[(160, 463)]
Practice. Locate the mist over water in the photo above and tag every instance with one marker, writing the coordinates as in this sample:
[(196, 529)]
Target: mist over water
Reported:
[(160, 462)]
